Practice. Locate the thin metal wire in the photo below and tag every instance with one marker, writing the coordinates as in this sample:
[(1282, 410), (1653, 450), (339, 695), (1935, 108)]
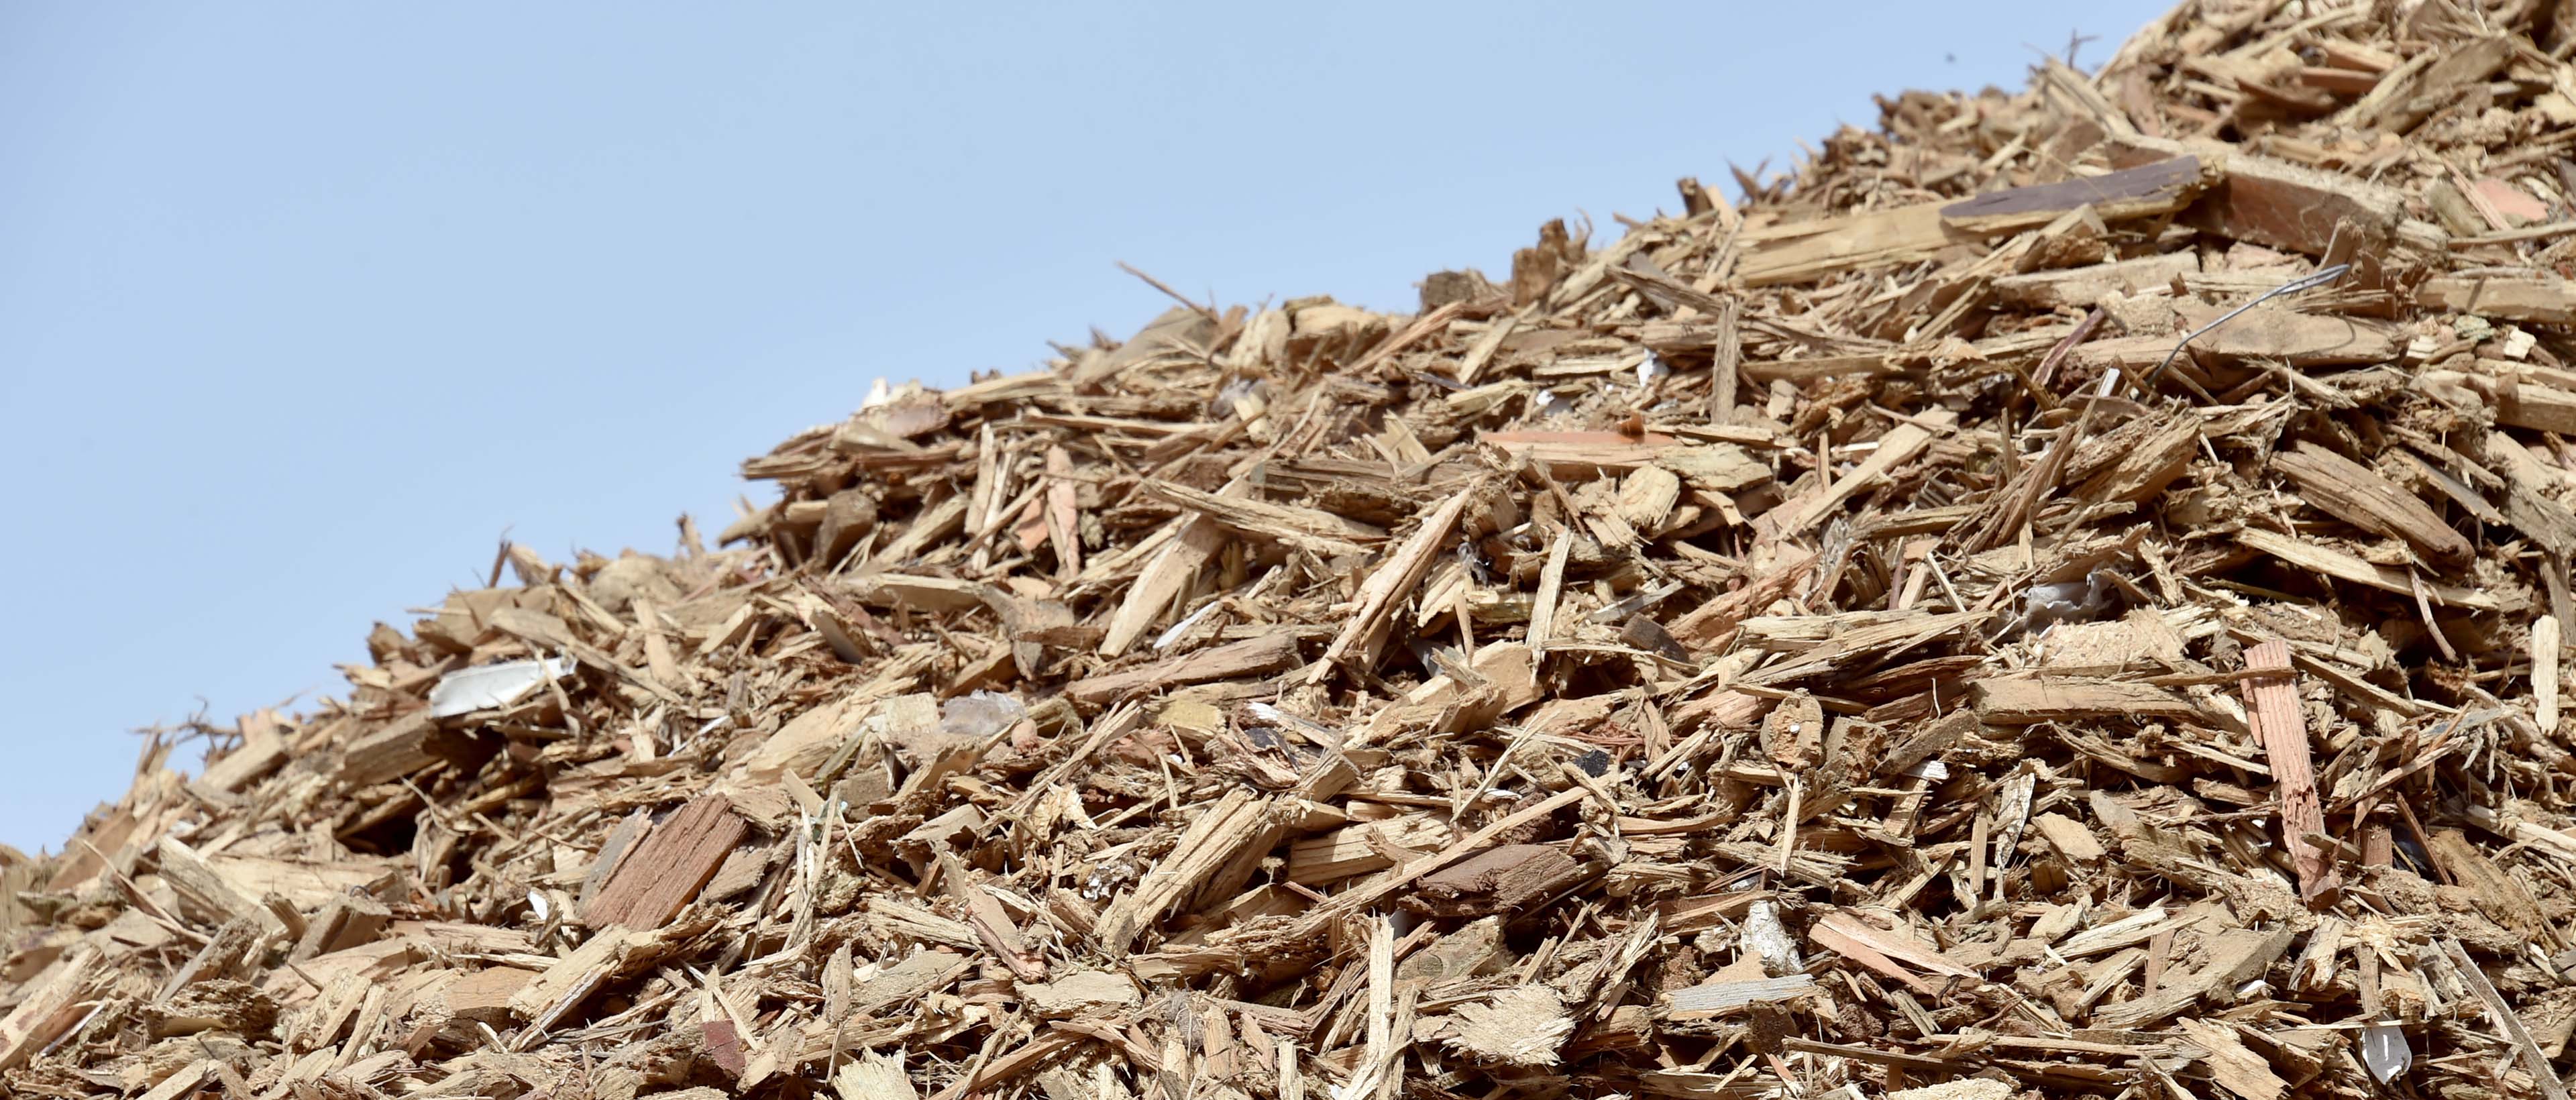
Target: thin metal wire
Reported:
[(2111, 380)]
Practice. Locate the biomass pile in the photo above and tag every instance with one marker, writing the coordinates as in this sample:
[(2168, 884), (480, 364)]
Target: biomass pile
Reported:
[(1827, 645)]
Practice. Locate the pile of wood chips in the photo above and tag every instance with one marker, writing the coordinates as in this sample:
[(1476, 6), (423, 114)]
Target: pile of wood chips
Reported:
[(1824, 646)]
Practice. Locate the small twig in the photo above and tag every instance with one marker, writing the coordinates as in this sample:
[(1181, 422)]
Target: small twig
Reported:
[(1201, 310)]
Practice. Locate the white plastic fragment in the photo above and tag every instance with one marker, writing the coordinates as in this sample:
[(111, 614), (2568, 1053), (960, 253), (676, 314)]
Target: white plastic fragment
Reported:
[(1182, 627), (2069, 600), (2046, 605), (1770, 940), (2384, 1050), (486, 686), (1311, 730), (980, 715), (1232, 392)]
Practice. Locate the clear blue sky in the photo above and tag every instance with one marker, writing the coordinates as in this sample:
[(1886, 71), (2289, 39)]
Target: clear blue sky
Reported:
[(302, 307)]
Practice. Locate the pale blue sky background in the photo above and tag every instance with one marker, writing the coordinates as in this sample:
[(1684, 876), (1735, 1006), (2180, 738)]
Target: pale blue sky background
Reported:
[(302, 306)]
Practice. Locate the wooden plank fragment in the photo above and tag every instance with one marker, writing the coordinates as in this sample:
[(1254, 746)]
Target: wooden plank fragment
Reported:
[(572, 979), (1718, 998), (993, 925), (1364, 847), (1165, 575), (2409, 101), (2493, 891), (1581, 456), (2302, 340), (2545, 299), (200, 885), (2359, 496), (2233, 957), (2506, 1020), (1311, 529), (1249, 657), (2128, 931), (49, 1008), (2279, 204), (1063, 514), (2021, 702), (1811, 251), (1205, 849), (1898, 447), (483, 996), (262, 749), (2084, 287), (2235, 1065), (1808, 251), (2161, 187), (396, 749), (805, 742), (1394, 579), (665, 872), (2548, 663), (1713, 623), (1551, 583), (2069, 837), (2342, 566), (2527, 404)]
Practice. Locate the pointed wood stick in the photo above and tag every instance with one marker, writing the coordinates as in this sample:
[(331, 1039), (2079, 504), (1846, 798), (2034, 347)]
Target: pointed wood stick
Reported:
[(2274, 706)]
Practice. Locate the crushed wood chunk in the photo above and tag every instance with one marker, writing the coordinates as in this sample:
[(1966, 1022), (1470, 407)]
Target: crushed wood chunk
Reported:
[(1521, 1026)]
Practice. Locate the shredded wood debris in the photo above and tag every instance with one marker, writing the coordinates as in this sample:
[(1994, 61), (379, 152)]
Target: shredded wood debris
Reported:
[(1826, 645)]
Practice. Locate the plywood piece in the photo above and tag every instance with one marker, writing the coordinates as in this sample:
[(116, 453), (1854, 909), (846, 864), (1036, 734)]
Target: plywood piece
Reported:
[(2544, 299), (2019, 702)]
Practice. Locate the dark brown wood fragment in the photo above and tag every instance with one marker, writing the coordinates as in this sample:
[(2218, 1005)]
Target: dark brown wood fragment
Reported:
[(2155, 188), (1508, 879)]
